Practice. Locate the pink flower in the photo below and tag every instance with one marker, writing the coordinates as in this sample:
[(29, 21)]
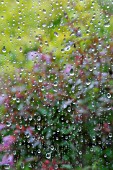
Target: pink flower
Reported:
[(45, 164), (4, 147), (79, 60), (106, 128), (51, 168), (7, 160), (8, 140)]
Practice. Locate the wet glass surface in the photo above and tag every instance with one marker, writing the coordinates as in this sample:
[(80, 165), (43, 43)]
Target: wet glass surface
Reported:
[(56, 84)]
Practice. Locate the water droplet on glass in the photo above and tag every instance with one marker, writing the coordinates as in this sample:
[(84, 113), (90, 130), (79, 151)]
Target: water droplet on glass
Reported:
[(40, 79), (8, 124), (80, 153), (44, 11), (19, 38), (7, 167), (44, 25), (107, 24), (17, 1), (20, 49), (14, 98), (22, 165), (39, 118), (110, 135), (108, 95), (52, 147), (88, 83), (56, 34), (48, 155), (4, 49)]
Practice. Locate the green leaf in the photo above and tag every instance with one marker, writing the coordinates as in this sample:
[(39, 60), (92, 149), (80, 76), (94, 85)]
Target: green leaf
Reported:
[(66, 166)]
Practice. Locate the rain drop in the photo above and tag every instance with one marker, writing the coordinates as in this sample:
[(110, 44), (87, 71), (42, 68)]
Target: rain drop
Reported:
[(108, 95), (48, 155), (4, 49)]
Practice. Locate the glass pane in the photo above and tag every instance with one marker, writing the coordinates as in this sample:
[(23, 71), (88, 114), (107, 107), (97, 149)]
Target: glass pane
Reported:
[(56, 84)]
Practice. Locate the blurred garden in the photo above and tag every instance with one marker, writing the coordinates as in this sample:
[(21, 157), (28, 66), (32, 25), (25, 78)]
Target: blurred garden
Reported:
[(56, 85)]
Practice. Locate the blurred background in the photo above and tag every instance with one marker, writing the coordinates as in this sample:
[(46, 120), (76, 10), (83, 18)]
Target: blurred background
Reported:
[(56, 84), (51, 27)]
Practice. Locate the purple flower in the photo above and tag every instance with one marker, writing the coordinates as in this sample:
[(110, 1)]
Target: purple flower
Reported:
[(2, 98), (44, 57), (7, 160), (4, 147), (36, 67), (2, 126), (32, 55), (47, 58), (8, 140), (68, 69)]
